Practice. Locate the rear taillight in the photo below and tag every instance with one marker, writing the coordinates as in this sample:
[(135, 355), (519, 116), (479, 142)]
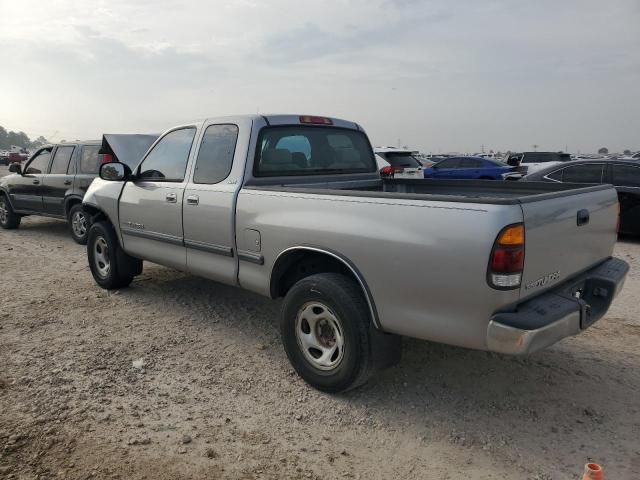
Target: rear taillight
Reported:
[(386, 171), (506, 262), (107, 158)]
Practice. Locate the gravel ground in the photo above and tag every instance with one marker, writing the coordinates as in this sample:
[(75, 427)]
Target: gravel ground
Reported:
[(179, 377)]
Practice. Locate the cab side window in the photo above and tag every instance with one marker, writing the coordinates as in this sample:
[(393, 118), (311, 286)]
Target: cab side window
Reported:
[(39, 163), (167, 162), (215, 157), (61, 159)]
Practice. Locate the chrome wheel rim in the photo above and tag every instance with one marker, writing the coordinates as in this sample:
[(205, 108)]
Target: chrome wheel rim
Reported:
[(79, 224), (101, 257), (4, 213), (320, 336)]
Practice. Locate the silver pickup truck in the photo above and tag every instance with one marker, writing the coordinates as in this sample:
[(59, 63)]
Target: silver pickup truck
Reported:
[(292, 206)]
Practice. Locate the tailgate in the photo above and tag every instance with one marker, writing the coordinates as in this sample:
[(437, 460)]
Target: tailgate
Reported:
[(566, 235)]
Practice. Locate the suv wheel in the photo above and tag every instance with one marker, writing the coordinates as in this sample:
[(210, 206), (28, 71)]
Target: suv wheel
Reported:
[(78, 224), (106, 261), (8, 218), (324, 325)]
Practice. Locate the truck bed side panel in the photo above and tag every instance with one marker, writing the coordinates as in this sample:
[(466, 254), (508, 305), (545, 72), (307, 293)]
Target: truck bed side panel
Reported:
[(424, 262)]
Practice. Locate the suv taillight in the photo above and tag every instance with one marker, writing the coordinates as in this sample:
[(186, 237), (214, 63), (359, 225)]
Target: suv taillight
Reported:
[(386, 171), (107, 158), (506, 262)]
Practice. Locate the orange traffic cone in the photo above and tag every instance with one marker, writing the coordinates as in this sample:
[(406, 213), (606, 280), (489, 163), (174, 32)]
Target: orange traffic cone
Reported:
[(593, 471)]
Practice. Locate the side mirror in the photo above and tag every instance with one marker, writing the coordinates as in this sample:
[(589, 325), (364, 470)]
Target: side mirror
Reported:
[(15, 168), (114, 172)]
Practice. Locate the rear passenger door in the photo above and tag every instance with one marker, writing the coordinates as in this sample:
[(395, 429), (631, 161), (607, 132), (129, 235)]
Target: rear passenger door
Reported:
[(58, 181), (151, 204), (209, 200)]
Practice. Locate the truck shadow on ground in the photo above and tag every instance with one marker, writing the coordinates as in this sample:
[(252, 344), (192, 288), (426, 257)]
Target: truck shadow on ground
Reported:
[(491, 398), (53, 228)]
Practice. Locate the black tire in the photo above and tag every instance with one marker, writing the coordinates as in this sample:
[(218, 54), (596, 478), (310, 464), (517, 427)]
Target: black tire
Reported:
[(110, 266), (78, 222), (343, 299), (9, 220)]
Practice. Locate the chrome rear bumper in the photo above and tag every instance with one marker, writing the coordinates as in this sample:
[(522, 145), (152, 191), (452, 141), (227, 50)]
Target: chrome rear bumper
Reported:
[(558, 313)]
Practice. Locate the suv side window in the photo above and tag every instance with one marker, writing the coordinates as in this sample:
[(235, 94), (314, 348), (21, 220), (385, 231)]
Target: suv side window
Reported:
[(61, 159), (90, 160), (626, 176), (583, 174), (167, 161), (215, 156), (39, 163)]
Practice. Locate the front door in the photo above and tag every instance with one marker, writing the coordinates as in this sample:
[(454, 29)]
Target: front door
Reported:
[(208, 207), (26, 189), (58, 181), (151, 204)]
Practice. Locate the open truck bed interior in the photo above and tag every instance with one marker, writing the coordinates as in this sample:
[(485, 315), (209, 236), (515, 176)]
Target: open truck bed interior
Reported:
[(470, 191)]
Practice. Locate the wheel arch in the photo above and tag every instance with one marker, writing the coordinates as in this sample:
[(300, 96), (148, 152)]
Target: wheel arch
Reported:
[(70, 202), (5, 192), (288, 269)]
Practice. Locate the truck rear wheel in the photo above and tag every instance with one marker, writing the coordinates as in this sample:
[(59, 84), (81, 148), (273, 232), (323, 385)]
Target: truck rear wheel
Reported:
[(110, 266), (8, 218), (325, 326)]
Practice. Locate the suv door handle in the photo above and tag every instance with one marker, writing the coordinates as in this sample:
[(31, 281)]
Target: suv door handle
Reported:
[(36, 182), (67, 182), (171, 197), (193, 200)]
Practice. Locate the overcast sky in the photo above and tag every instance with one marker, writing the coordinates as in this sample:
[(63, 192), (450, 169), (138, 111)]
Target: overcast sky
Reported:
[(435, 75)]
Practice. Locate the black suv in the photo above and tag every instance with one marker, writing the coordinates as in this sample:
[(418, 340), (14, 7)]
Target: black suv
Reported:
[(51, 183)]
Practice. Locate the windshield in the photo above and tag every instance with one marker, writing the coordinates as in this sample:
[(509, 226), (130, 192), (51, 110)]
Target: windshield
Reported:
[(405, 160), (304, 150)]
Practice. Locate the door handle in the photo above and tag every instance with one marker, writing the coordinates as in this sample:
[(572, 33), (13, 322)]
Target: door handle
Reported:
[(193, 200), (171, 197), (583, 217), (67, 182), (36, 182)]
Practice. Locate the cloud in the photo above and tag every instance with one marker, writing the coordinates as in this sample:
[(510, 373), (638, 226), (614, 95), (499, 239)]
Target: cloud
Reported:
[(438, 75)]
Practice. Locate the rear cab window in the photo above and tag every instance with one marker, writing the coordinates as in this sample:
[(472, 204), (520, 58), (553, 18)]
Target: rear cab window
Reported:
[(305, 150)]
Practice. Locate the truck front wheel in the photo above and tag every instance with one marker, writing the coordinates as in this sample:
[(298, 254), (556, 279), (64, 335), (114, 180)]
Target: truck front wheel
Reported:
[(110, 266), (324, 326)]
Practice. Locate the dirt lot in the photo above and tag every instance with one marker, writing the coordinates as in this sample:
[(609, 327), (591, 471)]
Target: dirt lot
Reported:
[(178, 377)]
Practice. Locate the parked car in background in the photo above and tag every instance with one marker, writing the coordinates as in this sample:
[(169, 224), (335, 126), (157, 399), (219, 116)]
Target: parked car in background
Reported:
[(472, 168), (358, 260), (398, 163), (8, 157), (633, 156), (536, 160), (54, 180), (624, 175)]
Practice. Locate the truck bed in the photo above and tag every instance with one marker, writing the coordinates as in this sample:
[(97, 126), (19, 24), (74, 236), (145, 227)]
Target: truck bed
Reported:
[(467, 191)]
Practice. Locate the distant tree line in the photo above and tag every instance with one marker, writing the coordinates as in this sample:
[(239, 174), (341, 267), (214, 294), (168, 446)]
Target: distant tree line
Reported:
[(20, 139)]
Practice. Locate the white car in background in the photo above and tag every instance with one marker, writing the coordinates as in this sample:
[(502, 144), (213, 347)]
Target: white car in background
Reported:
[(398, 163)]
